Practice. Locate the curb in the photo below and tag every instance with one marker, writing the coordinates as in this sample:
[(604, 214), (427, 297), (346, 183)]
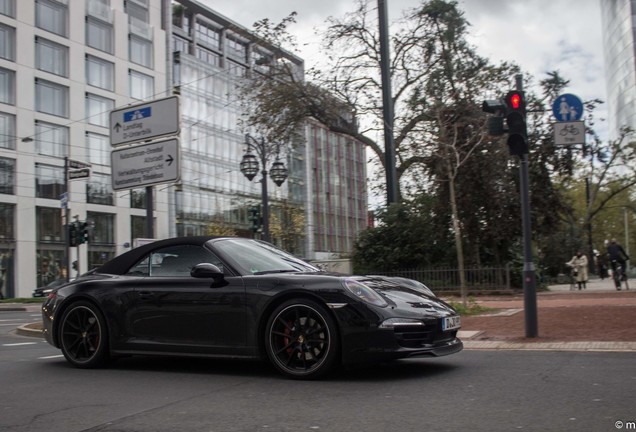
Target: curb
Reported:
[(31, 330), (551, 346)]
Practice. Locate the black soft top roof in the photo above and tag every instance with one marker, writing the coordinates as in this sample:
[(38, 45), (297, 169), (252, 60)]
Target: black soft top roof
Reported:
[(120, 264)]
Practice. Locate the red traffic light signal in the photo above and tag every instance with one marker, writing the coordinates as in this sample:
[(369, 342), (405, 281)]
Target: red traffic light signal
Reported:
[(515, 101)]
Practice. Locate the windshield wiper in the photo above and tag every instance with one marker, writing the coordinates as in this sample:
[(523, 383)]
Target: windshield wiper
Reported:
[(275, 271)]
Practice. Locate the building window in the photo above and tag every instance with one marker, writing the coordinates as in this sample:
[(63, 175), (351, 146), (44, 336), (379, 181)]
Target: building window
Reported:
[(7, 86), (141, 85), (49, 181), (6, 223), (100, 73), (99, 189), (138, 198), (7, 7), (207, 56), (52, 16), (137, 228), (50, 262), (98, 147), (51, 98), (208, 35), (101, 247), (137, 9), (180, 44), (236, 69), (99, 35), (7, 131), (236, 49), (51, 57), (7, 42), (51, 139), (98, 109), (140, 50), (49, 224), (7, 176)]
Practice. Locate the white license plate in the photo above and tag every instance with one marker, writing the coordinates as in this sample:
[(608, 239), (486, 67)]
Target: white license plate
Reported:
[(451, 323)]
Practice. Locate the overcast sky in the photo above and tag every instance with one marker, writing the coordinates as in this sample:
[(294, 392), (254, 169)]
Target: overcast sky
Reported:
[(539, 35)]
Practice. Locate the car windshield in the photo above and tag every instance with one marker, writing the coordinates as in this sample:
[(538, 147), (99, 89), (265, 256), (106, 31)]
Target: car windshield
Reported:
[(255, 257)]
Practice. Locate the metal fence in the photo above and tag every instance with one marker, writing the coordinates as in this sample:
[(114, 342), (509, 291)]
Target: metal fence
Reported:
[(478, 279)]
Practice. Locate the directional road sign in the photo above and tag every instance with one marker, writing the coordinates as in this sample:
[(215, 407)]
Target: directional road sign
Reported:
[(567, 108), (146, 164), (145, 121), (569, 133)]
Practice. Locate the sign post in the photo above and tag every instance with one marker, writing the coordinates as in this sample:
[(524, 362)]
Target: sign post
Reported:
[(145, 122)]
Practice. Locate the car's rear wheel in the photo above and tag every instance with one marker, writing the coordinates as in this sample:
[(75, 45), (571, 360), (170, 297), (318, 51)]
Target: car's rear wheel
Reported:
[(302, 339), (83, 335)]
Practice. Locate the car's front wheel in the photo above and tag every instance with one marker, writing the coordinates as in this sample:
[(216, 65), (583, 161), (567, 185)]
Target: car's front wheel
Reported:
[(302, 339), (83, 335)]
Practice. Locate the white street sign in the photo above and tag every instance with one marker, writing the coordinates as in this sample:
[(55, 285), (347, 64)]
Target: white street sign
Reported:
[(145, 121), (569, 133), (145, 165)]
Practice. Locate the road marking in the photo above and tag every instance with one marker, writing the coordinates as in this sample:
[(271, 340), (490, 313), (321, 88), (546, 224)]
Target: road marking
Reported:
[(6, 325), (9, 320), (20, 344), (50, 357)]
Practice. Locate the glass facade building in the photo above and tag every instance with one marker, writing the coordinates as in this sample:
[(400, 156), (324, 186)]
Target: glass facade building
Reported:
[(619, 35), (79, 60)]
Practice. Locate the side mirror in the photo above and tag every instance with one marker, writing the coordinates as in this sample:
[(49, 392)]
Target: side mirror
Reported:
[(207, 270)]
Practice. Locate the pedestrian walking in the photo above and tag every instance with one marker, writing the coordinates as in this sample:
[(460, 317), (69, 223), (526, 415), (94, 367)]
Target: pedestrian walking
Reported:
[(578, 264)]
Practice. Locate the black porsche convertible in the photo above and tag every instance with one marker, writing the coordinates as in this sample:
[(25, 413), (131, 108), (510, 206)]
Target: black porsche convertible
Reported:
[(240, 298)]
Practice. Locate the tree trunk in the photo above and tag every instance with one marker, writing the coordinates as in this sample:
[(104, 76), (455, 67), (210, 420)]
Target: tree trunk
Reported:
[(458, 241)]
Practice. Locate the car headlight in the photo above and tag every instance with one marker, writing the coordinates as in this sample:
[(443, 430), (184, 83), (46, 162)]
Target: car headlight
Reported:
[(364, 292)]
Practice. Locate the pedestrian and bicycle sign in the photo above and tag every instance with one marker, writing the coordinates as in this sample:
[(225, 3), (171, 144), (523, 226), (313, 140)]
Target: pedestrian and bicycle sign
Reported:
[(568, 129), (567, 108), (144, 122)]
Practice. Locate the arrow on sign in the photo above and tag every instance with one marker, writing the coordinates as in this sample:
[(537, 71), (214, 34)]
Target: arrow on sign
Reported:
[(117, 127), (169, 160)]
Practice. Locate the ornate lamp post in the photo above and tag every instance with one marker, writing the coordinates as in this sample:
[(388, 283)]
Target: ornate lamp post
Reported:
[(250, 166)]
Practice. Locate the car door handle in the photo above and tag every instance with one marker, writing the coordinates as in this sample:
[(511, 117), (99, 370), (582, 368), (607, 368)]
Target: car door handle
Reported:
[(146, 295)]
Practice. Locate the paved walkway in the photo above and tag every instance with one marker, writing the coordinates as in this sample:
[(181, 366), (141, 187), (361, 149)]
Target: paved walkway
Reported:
[(557, 296)]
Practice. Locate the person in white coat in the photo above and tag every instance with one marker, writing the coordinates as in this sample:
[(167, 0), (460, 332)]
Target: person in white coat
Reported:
[(578, 263)]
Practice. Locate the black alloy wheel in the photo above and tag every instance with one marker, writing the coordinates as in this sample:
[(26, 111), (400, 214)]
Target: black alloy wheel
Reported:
[(83, 336), (302, 339)]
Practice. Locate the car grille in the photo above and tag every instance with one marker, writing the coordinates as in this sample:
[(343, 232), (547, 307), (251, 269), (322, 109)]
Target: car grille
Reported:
[(419, 336)]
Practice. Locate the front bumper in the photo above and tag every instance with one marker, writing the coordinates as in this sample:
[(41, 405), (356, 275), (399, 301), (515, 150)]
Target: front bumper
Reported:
[(391, 344)]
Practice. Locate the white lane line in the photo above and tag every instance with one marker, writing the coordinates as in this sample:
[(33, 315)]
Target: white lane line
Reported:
[(50, 357), (10, 320), (13, 324), (19, 344)]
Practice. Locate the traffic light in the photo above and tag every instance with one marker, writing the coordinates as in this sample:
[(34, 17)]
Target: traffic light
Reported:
[(516, 120), (72, 234), (495, 123), (83, 233), (255, 218)]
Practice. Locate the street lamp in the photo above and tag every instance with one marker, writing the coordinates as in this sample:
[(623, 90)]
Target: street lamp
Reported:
[(250, 166)]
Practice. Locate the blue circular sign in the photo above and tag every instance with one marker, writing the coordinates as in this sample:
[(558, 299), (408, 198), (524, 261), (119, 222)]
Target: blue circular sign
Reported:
[(567, 107)]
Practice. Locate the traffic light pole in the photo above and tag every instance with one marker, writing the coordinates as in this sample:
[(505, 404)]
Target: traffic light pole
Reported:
[(529, 277)]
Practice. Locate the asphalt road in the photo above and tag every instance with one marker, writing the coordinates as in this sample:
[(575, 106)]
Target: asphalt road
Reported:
[(472, 390)]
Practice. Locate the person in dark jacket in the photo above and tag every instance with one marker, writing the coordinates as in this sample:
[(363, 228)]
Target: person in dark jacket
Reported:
[(616, 255)]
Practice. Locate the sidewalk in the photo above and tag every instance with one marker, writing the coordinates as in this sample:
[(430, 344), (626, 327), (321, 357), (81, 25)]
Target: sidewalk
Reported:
[(599, 318)]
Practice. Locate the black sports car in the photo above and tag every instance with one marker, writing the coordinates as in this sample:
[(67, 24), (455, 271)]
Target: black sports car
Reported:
[(240, 298)]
